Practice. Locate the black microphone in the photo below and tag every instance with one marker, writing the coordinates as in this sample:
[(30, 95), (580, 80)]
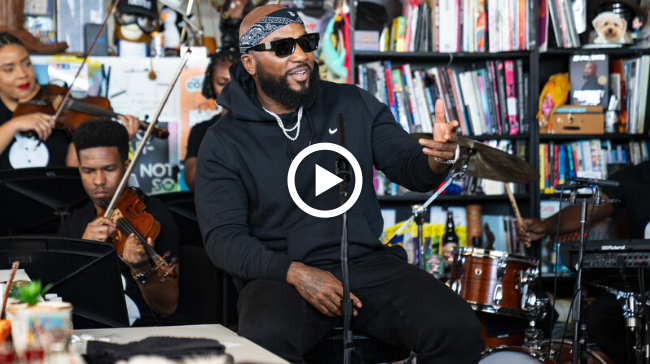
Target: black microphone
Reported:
[(340, 124), (571, 186), (597, 182), (342, 164)]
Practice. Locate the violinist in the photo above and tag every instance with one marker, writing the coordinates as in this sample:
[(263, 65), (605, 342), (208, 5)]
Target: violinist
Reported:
[(216, 78), (18, 84), (102, 149)]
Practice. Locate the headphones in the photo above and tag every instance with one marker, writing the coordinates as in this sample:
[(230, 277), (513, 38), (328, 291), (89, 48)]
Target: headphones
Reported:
[(229, 54)]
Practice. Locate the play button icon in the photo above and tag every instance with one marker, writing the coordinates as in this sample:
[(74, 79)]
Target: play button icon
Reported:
[(324, 180)]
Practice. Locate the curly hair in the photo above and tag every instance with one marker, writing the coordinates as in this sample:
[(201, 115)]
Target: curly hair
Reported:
[(102, 133), (8, 38), (222, 55)]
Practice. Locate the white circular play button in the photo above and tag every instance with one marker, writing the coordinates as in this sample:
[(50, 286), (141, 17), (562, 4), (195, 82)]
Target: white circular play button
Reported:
[(324, 180)]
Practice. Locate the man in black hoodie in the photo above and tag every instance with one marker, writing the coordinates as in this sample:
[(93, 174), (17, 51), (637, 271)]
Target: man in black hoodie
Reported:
[(285, 261)]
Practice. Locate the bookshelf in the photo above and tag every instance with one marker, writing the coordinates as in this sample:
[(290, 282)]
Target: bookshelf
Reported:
[(528, 201), (539, 66)]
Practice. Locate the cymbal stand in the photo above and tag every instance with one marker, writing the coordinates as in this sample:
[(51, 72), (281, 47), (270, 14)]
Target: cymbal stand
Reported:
[(535, 310), (419, 210), (633, 308)]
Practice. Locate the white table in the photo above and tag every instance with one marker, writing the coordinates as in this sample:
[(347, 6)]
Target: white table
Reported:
[(242, 350)]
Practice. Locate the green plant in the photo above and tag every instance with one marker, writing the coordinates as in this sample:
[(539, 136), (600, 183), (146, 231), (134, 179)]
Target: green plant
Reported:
[(29, 293)]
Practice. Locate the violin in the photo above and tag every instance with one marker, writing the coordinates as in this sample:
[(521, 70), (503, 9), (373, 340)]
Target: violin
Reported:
[(75, 111), (127, 211), (130, 218)]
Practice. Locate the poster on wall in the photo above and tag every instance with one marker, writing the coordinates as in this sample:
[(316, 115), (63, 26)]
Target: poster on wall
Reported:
[(154, 172), (194, 107)]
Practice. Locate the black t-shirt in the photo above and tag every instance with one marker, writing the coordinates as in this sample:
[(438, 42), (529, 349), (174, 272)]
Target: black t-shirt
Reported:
[(634, 194), (196, 136), (56, 146), (168, 241)]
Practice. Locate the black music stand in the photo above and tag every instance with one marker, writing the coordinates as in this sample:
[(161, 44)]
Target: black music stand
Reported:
[(195, 301), (181, 205), (84, 273), (35, 200)]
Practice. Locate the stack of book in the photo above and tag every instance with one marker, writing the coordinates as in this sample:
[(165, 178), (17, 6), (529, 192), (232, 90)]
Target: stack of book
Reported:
[(562, 19), (486, 101), (461, 26), (586, 158)]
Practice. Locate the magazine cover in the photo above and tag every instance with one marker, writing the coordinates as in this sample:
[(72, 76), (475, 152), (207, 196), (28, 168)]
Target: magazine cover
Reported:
[(589, 75)]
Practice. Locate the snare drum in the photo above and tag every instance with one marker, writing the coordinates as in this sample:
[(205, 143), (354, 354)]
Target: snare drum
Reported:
[(519, 355), (493, 281)]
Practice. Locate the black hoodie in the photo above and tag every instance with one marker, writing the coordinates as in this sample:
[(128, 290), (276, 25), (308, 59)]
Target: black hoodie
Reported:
[(251, 227)]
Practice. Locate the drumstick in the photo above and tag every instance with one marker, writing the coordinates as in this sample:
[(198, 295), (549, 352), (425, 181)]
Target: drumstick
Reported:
[(514, 203), (514, 207), (14, 268)]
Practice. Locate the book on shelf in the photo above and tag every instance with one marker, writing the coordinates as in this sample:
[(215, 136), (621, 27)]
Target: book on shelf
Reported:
[(589, 77), (592, 158), (462, 26), (485, 101), (563, 23)]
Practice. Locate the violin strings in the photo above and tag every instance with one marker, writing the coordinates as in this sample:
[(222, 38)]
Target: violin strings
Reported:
[(89, 109), (126, 228)]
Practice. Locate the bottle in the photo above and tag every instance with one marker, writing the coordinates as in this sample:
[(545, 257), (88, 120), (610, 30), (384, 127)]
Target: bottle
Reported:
[(449, 239)]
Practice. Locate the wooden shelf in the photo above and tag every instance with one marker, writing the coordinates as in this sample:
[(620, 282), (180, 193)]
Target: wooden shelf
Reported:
[(497, 137), (543, 137), (416, 197), (365, 56), (615, 52)]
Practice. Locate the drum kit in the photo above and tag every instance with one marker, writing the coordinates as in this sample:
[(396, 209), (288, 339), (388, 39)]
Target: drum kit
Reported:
[(497, 284)]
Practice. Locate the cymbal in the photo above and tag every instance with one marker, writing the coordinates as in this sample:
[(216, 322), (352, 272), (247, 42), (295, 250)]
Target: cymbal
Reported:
[(490, 163)]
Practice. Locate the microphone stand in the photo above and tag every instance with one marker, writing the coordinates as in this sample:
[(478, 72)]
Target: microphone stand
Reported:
[(579, 352), (343, 172)]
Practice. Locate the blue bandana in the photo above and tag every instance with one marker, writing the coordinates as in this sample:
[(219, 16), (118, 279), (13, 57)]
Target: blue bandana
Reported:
[(266, 26)]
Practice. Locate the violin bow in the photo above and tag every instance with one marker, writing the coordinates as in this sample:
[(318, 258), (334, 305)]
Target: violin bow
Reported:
[(59, 110), (146, 137)]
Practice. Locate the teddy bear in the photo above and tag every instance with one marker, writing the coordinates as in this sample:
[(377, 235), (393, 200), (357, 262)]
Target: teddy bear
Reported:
[(610, 28)]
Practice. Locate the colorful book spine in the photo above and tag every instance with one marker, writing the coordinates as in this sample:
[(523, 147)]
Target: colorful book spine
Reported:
[(484, 99), (511, 98), (481, 22)]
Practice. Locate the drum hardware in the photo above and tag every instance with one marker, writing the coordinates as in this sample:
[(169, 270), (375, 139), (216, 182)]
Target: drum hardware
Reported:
[(501, 270), (634, 313), (418, 214), (535, 308), (498, 294)]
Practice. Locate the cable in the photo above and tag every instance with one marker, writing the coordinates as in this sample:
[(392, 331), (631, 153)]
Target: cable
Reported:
[(555, 278)]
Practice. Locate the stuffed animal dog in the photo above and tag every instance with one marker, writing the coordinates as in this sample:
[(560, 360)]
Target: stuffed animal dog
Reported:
[(610, 28)]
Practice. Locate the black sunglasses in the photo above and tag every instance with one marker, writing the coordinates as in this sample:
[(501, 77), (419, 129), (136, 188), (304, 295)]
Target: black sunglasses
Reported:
[(285, 47)]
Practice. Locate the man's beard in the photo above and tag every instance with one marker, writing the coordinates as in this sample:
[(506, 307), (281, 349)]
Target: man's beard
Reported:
[(279, 90)]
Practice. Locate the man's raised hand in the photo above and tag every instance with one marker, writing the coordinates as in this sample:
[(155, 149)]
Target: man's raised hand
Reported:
[(443, 145)]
